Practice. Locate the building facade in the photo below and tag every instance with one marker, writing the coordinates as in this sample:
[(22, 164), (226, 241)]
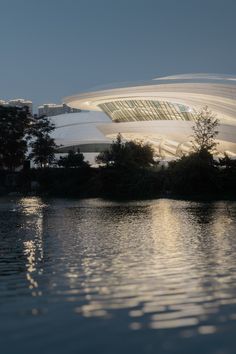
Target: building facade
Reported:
[(80, 130), (163, 110), (52, 109), (18, 102)]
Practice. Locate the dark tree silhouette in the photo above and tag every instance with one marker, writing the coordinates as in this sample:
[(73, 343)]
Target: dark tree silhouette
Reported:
[(43, 146), (14, 134), (72, 160), (129, 154), (205, 131)]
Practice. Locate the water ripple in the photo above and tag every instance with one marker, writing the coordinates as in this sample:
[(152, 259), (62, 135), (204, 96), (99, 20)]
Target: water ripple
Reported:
[(134, 267)]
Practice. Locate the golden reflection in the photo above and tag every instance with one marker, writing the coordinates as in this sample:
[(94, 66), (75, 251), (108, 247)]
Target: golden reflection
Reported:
[(163, 264), (135, 326), (207, 329), (181, 322), (31, 205), (33, 248)]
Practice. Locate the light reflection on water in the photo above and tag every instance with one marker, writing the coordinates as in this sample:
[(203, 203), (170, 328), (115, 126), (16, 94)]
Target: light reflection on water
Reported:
[(154, 275)]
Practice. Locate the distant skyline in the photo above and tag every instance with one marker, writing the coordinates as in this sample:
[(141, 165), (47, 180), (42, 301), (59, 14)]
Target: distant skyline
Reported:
[(55, 48)]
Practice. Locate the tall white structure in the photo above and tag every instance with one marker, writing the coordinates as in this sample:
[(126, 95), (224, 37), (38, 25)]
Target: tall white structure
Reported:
[(18, 102), (52, 109)]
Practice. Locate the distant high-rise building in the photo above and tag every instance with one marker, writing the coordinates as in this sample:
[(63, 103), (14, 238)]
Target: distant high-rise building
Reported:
[(18, 102), (3, 103), (52, 109)]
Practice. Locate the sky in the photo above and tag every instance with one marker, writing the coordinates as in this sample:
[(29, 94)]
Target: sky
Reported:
[(55, 48)]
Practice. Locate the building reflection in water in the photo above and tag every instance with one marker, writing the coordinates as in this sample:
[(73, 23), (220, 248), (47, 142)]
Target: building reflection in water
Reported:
[(164, 264), (168, 265), (32, 211)]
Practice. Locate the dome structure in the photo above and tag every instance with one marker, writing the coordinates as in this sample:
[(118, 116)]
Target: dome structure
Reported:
[(163, 110), (79, 130)]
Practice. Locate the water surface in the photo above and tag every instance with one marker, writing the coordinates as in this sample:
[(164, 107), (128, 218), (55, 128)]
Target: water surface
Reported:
[(94, 276)]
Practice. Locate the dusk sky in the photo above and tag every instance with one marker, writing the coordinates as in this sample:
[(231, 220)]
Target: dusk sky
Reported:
[(54, 48)]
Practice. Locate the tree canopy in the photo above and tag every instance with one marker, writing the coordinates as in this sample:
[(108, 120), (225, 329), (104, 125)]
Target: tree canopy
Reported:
[(15, 125), (43, 145), (205, 131), (127, 154), (72, 160)]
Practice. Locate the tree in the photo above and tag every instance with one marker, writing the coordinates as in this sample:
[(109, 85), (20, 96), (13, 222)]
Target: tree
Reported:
[(41, 126), (43, 146), (227, 163), (193, 174), (72, 160), (129, 154), (205, 131), (14, 135), (197, 173)]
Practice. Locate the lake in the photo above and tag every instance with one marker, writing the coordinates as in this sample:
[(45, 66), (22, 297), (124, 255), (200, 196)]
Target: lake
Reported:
[(94, 276)]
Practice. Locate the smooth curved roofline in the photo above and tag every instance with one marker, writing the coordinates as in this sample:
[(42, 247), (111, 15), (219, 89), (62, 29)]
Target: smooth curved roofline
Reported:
[(125, 87), (198, 76), (217, 91), (178, 78)]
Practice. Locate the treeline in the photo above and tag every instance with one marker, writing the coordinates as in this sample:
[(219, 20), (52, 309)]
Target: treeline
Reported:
[(191, 176), (128, 169), (24, 138)]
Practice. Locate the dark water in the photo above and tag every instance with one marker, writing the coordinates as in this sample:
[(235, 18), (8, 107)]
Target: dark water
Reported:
[(103, 277)]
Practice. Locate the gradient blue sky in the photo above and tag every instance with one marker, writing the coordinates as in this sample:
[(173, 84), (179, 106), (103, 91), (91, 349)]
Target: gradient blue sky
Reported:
[(55, 48)]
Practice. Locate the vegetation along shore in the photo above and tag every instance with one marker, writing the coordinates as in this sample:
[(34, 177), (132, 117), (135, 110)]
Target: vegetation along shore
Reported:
[(128, 169)]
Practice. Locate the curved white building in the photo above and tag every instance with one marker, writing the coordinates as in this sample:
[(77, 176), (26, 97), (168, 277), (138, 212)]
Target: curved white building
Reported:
[(163, 110), (79, 130)]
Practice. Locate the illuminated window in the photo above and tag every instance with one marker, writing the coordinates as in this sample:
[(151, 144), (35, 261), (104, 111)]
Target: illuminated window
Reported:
[(139, 110)]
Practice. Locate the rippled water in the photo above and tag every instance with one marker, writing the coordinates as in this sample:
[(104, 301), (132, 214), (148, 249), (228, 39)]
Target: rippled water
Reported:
[(93, 276)]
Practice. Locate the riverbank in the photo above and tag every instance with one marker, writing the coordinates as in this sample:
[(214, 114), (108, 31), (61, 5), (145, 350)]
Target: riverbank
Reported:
[(115, 183)]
